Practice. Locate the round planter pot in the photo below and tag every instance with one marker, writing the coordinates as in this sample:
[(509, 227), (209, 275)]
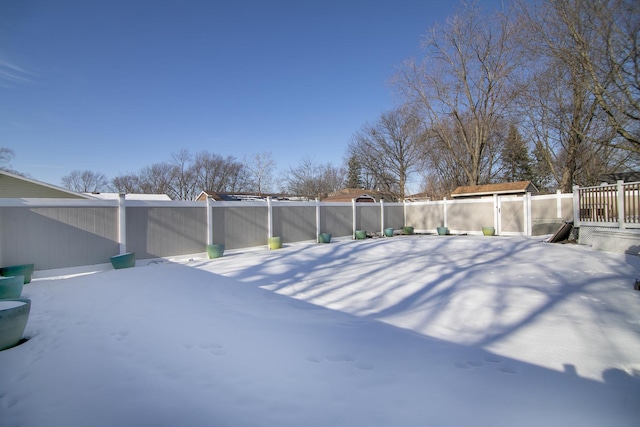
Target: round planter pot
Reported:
[(11, 287), (407, 230), (361, 234), (126, 260), (388, 232), (25, 270), (14, 314), (215, 251), (443, 231), (275, 242), (488, 231), (324, 238)]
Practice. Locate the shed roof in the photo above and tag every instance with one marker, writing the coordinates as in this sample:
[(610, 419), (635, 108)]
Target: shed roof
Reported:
[(519, 187)]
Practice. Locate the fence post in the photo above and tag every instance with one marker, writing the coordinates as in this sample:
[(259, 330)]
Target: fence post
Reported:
[(445, 221), (382, 216), (209, 221), (495, 214), (621, 222), (318, 231), (353, 205), (576, 206), (269, 218), (528, 227), (558, 204), (122, 223)]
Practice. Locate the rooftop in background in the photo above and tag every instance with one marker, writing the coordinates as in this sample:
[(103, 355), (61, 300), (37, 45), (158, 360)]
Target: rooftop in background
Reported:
[(130, 196), (506, 188), (360, 195), (612, 178), (242, 197)]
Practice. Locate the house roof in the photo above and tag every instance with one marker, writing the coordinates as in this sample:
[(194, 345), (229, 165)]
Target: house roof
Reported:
[(131, 196), (612, 178), (20, 187), (238, 197), (519, 187), (348, 194)]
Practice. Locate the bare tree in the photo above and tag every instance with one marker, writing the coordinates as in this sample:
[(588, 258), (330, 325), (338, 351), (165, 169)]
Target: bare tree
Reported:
[(463, 86), (391, 149), (85, 181), (6, 156), (219, 174), (126, 183), (260, 168), (604, 41), (310, 179), (561, 115)]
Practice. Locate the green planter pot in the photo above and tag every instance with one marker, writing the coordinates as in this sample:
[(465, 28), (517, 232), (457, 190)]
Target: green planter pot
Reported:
[(275, 242), (388, 232), (361, 234), (443, 231), (324, 238), (488, 231), (125, 260), (407, 230), (14, 314), (11, 287), (215, 251), (25, 270)]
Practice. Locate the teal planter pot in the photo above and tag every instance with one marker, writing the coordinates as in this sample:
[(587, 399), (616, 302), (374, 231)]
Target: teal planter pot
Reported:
[(361, 234), (275, 242), (443, 231), (488, 231), (388, 232), (11, 287), (324, 238), (14, 314), (125, 260), (25, 270), (407, 230), (215, 251)]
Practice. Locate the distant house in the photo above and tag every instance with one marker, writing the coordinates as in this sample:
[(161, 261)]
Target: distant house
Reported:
[(240, 197), (131, 196), (488, 190), (612, 178), (19, 187), (348, 194)]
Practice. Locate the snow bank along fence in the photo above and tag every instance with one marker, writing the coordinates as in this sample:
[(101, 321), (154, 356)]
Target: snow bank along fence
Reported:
[(608, 216), (57, 233)]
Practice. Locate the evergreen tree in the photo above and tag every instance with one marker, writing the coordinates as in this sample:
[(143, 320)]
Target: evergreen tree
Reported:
[(516, 161), (354, 174)]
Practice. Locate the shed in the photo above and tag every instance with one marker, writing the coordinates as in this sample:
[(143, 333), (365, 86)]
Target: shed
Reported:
[(488, 190), (360, 195)]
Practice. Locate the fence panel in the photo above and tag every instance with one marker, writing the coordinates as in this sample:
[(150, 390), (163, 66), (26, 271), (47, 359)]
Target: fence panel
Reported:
[(294, 223), (393, 215), (599, 204), (368, 217), (632, 202), (425, 216), (512, 216), (58, 237), (470, 215), (336, 219), (154, 232), (240, 226)]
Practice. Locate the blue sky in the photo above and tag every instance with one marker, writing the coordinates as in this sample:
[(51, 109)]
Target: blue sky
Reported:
[(113, 86)]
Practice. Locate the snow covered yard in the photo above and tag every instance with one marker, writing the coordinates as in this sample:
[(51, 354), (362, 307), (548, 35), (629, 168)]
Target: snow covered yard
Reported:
[(402, 331)]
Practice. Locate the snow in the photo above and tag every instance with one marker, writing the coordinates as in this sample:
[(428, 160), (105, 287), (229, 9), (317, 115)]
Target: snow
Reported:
[(402, 331)]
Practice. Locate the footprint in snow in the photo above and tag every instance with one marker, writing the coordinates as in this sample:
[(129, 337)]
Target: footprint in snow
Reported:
[(508, 369), (215, 348)]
